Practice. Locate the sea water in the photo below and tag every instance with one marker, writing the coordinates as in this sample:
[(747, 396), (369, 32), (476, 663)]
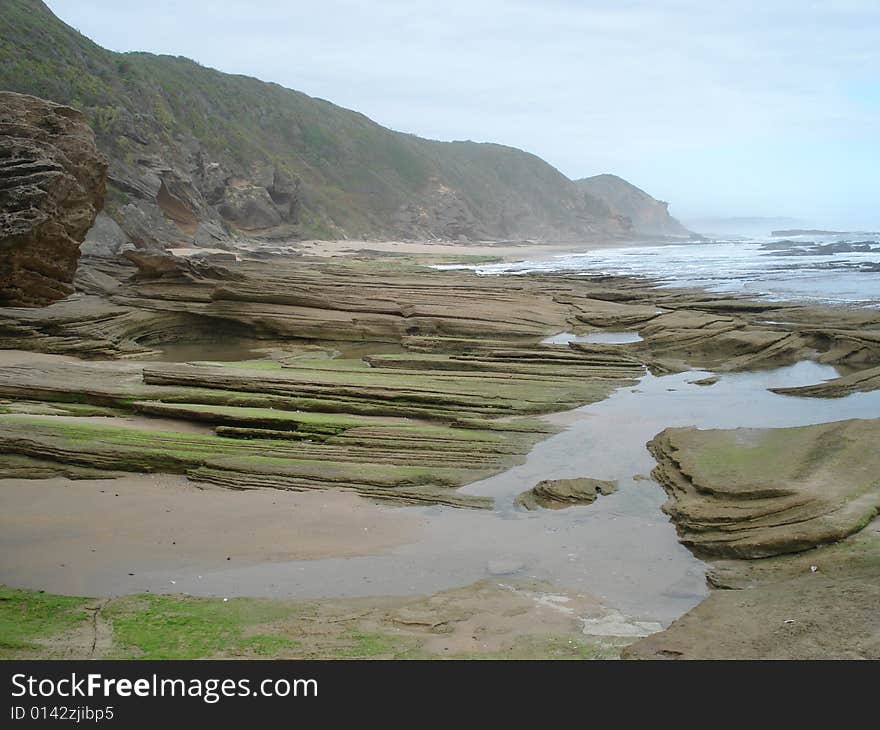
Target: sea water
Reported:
[(801, 271)]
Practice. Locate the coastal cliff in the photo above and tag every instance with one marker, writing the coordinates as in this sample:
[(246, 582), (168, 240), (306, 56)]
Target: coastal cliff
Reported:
[(199, 157), (647, 215)]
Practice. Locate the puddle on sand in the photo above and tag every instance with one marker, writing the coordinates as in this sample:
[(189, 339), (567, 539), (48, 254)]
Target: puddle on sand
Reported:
[(621, 549), (596, 338)]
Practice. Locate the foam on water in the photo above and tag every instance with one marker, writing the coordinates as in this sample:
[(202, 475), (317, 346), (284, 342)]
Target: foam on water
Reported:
[(742, 267)]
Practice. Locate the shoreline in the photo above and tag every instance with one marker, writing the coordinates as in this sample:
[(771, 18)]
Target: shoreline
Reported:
[(715, 333), (505, 251)]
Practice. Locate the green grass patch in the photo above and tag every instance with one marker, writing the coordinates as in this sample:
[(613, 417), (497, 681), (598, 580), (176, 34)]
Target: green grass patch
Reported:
[(29, 615), (182, 627)]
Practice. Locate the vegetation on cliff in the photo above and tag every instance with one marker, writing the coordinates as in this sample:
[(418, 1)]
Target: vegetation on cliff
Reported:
[(648, 215), (199, 156)]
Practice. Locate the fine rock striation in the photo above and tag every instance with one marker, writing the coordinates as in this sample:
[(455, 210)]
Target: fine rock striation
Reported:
[(753, 493), (788, 519), (52, 180)]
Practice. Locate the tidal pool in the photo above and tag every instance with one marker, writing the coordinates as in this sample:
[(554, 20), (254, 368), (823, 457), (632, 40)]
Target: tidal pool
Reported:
[(621, 549)]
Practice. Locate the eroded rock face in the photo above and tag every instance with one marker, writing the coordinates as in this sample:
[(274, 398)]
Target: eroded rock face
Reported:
[(648, 215), (787, 518), (152, 266), (52, 180), (560, 493), (758, 493)]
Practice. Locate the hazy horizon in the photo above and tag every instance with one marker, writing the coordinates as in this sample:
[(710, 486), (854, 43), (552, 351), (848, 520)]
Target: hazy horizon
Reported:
[(733, 111)]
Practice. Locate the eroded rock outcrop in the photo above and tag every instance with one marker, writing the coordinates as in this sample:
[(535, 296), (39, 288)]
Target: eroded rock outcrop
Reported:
[(52, 180), (755, 493), (788, 518), (152, 266), (561, 493)]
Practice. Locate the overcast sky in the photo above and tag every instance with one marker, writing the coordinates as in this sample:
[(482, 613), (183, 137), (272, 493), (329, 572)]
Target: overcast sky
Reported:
[(722, 108)]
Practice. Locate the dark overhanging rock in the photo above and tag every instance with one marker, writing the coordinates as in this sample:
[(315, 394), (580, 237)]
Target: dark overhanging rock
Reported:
[(52, 181)]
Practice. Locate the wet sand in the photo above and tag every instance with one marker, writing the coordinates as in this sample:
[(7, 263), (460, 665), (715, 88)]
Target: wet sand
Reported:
[(504, 250), (87, 537)]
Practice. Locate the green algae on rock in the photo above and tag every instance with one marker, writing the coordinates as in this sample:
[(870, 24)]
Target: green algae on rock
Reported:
[(450, 624), (788, 518), (752, 493)]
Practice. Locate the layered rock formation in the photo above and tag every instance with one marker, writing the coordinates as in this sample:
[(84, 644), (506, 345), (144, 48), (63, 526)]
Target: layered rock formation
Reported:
[(164, 299), (754, 493), (861, 381), (405, 424), (561, 493), (52, 180), (648, 215), (452, 351), (788, 519)]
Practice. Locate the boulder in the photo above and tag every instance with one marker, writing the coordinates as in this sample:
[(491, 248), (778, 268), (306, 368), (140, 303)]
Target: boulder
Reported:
[(105, 238), (249, 207), (52, 181), (560, 493)]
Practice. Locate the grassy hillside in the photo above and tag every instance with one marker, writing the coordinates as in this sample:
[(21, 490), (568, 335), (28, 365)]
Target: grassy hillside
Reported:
[(199, 155)]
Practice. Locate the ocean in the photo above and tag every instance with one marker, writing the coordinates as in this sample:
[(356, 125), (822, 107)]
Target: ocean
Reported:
[(841, 268)]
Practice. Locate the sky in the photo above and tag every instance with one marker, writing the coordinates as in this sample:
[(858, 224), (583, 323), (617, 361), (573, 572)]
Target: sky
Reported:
[(740, 108)]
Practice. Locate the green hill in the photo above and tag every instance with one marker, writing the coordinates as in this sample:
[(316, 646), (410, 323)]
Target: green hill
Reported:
[(648, 215), (202, 156)]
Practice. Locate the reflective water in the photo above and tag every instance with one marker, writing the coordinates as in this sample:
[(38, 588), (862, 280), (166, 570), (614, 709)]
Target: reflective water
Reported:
[(622, 548)]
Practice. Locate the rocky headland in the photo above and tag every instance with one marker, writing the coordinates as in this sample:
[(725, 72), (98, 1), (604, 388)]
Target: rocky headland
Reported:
[(649, 216)]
